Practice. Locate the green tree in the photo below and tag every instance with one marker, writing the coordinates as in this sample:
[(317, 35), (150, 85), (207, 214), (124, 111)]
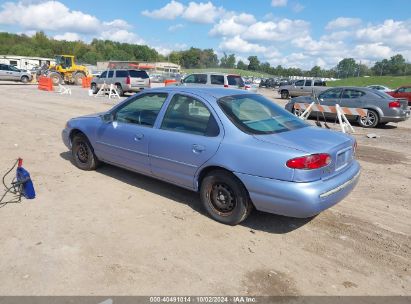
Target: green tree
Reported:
[(347, 68), (254, 64), (241, 65), (316, 71)]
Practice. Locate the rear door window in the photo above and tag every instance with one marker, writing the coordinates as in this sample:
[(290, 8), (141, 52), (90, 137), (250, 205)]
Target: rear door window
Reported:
[(351, 94), (319, 83), (121, 74), (308, 83), (333, 93), (138, 74), (110, 74), (235, 80), (188, 115), (217, 79), (196, 78)]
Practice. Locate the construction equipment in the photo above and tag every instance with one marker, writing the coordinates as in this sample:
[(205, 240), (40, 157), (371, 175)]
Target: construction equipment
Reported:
[(66, 71)]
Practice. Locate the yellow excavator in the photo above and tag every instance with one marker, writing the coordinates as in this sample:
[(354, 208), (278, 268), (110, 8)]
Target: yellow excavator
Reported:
[(66, 71)]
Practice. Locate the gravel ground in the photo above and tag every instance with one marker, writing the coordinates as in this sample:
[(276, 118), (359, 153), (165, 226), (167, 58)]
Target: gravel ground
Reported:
[(114, 232)]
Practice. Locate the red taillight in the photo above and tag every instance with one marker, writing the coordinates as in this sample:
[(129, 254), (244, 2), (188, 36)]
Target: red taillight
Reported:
[(226, 85), (247, 87), (309, 162), (394, 104), (128, 81)]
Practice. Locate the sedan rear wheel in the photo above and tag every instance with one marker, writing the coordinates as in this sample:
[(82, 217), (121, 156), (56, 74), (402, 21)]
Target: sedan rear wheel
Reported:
[(225, 198), (369, 121)]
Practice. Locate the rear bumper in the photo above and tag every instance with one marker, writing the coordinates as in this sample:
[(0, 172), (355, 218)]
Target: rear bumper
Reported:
[(300, 199), (403, 116)]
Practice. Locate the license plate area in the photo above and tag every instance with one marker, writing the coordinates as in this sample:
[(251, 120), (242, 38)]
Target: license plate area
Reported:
[(343, 158)]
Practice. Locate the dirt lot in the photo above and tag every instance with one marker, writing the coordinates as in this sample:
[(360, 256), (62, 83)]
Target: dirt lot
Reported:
[(114, 232)]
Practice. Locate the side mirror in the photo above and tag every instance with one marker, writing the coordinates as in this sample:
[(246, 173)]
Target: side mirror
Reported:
[(107, 118)]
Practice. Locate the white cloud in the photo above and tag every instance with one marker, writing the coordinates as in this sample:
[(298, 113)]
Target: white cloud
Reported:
[(202, 12), (237, 44), (393, 33), (118, 23), (343, 22), (279, 3), (282, 30), (373, 51), (232, 25), (68, 36), (297, 7), (120, 35), (49, 15), (170, 11), (175, 27)]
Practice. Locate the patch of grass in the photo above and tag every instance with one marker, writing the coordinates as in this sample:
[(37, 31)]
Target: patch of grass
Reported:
[(392, 82), (228, 71)]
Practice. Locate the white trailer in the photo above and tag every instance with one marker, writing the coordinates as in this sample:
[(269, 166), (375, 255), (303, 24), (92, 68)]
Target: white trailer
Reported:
[(25, 62)]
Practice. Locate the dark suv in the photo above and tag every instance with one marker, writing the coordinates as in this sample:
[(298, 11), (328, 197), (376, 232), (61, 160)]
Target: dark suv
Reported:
[(124, 80)]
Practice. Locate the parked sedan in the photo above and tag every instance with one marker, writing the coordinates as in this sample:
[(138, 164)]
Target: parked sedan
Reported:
[(382, 108), (237, 149), (402, 92)]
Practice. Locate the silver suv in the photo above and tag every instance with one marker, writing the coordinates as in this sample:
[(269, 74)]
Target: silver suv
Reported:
[(9, 72), (214, 79), (124, 80)]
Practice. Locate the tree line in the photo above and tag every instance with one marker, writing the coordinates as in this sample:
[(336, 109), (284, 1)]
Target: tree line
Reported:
[(40, 45)]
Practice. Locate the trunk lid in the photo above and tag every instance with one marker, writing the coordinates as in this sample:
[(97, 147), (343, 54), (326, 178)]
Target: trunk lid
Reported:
[(313, 140)]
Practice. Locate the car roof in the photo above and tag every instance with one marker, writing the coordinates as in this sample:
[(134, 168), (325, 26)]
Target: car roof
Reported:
[(202, 91), (215, 73)]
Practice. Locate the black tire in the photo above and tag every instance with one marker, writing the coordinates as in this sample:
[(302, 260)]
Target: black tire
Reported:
[(83, 154), (94, 88), (369, 121), (382, 123), (78, 78), (24, 79), (119, 89), (225, 198), (284, 94), (55, 78)]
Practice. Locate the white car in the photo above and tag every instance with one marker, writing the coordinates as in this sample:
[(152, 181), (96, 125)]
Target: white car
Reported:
[(379, 88)]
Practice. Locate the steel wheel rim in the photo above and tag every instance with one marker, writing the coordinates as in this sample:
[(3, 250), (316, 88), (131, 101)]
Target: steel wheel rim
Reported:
[(222, 199), (82, 152), (368, 120)]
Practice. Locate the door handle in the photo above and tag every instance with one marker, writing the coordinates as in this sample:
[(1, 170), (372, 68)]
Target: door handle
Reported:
[(198, 148), (138, 137)]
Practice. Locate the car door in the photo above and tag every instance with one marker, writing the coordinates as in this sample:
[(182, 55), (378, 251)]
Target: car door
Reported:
[(307, 89), (188, 136), (102, 79), (14, 73), (110, 77), (351, 98), (125, 138), (5, 73), (330, 97), (297, 88)]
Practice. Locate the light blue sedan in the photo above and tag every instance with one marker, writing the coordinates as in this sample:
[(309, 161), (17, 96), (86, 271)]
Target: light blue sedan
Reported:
[(236, 148)]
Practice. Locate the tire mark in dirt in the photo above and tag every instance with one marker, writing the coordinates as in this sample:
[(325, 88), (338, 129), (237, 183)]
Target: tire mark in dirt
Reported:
[(381, 247), (380, 156)]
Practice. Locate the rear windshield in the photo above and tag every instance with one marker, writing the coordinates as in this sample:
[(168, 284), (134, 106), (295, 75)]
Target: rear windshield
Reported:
[(255, 114), (382, 94), (235, 80), (138, 74), (121, 73)]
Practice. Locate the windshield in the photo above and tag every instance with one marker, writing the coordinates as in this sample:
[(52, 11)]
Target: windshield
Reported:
[(254, 114)]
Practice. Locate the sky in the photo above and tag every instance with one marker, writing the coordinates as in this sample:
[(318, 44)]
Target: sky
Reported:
[(291, 33)]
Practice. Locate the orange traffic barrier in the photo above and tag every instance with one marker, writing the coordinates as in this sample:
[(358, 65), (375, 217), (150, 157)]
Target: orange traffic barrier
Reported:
[(169, 82), (86, 82), (45, 83)]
